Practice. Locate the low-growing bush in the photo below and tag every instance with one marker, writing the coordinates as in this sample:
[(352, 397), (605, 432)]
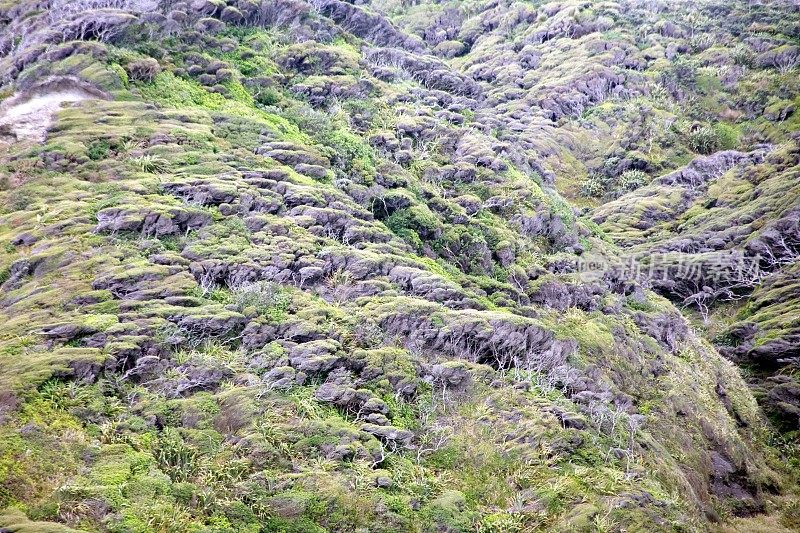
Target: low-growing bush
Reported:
[(601, 186), (150, 163), (144, 70), (631, 180), (174, 457), (265, 298), (704, 140), (267, 96), (98, 150)]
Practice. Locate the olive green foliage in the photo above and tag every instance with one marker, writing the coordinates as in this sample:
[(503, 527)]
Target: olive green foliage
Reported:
[(599, 186), (264, 281)]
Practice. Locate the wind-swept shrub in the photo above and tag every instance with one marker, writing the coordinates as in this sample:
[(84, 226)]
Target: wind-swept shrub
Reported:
[(144, 70)]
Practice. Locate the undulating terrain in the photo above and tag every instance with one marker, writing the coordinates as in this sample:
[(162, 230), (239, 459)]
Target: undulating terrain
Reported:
[(399, 265)]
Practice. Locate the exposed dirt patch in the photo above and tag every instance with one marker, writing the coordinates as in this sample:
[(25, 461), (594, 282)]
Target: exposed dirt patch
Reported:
[(28, 115)]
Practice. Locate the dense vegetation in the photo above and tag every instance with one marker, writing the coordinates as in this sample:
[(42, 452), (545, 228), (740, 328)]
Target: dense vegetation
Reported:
[(316, 265)]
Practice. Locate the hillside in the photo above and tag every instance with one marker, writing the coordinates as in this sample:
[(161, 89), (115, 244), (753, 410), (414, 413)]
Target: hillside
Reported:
[(316, 265)]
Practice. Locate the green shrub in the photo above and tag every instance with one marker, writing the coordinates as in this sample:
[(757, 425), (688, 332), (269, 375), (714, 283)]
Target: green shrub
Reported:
[(631, 180), (171, 91), (351, 154), (267, 96), (728, 136), (150, 163), (414, 223), (98, 150), (600, 186), (174, 457), (594, 186), (704, 140)]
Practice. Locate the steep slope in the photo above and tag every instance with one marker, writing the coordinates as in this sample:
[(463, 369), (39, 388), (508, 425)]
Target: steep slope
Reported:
[(613, 96), (728, 244), (281, 267), (690, 105)]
